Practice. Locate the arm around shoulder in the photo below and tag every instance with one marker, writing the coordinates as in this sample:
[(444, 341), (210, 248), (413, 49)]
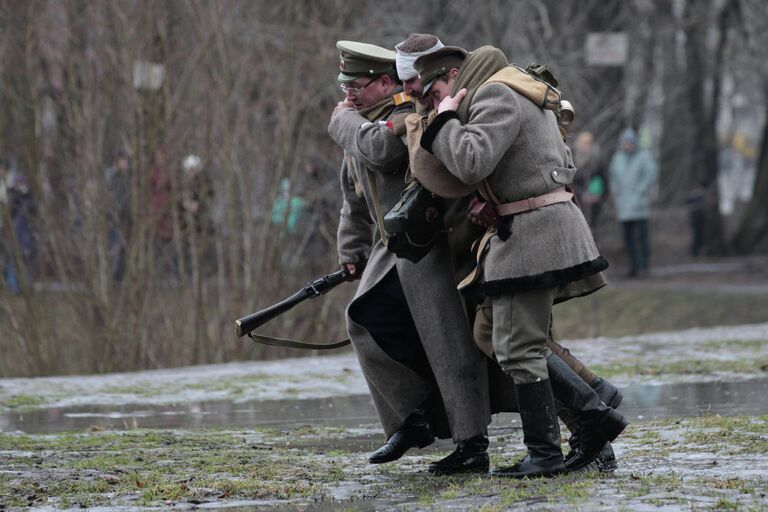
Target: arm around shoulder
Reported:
[(472, 151)]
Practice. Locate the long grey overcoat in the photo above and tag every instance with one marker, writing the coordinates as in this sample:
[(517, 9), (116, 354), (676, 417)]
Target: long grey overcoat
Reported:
[(374, 155), (517, 147)]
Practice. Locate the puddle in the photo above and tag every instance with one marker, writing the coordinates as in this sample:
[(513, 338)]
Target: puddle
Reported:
[(641, 402)]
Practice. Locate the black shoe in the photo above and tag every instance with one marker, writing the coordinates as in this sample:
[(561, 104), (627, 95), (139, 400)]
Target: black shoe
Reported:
[(402, 441), (591, 421), (605, 462), (470, 456), (541, 433), (528, 467), (606, 459)]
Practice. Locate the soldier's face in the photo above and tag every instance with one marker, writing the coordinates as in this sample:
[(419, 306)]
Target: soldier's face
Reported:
[(413, 87), (441, 89), (365, 92)]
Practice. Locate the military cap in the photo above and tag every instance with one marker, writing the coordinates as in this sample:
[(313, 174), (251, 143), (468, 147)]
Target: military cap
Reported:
[(435, 64), (363, 59)]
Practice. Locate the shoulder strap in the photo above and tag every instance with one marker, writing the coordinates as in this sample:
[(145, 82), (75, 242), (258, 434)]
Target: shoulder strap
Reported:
[(355, 166), (485, 190), (401, 98), (280, 342), (377, 207)]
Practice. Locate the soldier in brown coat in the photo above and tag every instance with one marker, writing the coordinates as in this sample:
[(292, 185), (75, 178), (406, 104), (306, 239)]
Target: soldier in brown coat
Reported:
[(488, 134), (406, 321)]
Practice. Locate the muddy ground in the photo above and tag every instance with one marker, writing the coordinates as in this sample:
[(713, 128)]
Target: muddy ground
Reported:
[(699, 460), (704, 463), (294, 435)]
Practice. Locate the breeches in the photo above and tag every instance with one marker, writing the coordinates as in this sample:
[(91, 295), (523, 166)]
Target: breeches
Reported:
[(521, 324)]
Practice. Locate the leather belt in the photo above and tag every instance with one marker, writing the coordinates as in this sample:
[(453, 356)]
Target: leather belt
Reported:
[(559, 195)]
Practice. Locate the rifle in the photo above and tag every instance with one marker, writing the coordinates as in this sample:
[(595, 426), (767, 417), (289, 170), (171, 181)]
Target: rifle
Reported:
[(313, 289)]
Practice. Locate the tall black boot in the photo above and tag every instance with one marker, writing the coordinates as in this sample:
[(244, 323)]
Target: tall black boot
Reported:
[(541, 433), (470, 456), (612, 397), (414, 432), (593, 422)]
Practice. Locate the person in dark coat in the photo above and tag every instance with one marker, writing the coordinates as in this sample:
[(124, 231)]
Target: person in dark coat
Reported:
[(406, 321)]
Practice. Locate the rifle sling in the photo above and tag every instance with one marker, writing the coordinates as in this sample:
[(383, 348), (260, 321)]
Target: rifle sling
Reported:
[(307, 345)]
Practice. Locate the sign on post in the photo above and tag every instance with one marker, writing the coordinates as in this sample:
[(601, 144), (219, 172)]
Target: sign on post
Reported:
[(148, 75), (606, 48)]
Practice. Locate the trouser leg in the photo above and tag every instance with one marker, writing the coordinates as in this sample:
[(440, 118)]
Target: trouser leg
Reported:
[(644, 248), (521, 324), (630, 240), (384, 313)]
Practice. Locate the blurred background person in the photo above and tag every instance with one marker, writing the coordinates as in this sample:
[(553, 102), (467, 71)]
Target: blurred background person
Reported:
[(195, 214), (632, 173), (161, 203), (288, 208), (590, 182), (119, 218), (18, 210)]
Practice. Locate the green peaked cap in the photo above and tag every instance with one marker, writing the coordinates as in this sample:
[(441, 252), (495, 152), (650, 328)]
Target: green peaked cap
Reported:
[(363, 59), (432, 65)]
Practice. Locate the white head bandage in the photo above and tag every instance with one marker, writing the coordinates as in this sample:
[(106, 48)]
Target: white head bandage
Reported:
[(404, 61)]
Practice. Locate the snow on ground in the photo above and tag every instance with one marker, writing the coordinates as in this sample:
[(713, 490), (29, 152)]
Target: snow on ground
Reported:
[(340, 375)]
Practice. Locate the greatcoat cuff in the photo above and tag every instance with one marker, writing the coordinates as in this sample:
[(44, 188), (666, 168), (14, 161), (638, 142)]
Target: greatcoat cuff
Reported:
[(430, 134)]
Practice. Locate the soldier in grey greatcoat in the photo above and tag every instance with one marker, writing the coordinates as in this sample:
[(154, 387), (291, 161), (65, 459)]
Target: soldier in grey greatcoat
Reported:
[(406, 321), (490, 135)]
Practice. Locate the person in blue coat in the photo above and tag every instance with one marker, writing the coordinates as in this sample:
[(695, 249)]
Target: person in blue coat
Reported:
[(632, 173)]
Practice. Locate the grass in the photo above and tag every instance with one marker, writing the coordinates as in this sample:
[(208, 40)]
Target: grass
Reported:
[(155, 468), (623, 312), (685, 367), (22, 401)]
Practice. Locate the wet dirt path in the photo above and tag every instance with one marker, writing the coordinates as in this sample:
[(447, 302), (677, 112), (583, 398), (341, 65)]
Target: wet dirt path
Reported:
[(266, 436)]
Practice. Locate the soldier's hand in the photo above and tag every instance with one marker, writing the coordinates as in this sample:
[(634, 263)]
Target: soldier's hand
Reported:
[(342, 105), (451, 103), (353, 270), (481, 213)]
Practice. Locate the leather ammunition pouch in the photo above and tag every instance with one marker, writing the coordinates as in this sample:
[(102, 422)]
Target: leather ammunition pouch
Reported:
[(414, 223)]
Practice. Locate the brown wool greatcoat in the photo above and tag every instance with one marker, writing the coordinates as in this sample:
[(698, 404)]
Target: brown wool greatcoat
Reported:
[(517, 147), (373, 152)]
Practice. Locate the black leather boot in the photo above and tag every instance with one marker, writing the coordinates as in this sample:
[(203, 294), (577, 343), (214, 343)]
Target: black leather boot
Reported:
[(470, 456), (593, 422), (605, 461), (414, 432), (608, 393), (541, 433)]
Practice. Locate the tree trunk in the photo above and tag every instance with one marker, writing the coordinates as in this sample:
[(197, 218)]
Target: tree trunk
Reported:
[(752, 234), (705, 151)]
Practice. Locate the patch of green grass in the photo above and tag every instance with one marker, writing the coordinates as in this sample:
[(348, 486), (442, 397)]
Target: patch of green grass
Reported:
[(150, 468), (736, 344), (139, 390), (23, 401), (624, 312), (724, 504), (687, 367)]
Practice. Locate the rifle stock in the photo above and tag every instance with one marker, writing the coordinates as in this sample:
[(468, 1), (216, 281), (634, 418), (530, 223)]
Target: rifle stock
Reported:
[(312, 289)]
